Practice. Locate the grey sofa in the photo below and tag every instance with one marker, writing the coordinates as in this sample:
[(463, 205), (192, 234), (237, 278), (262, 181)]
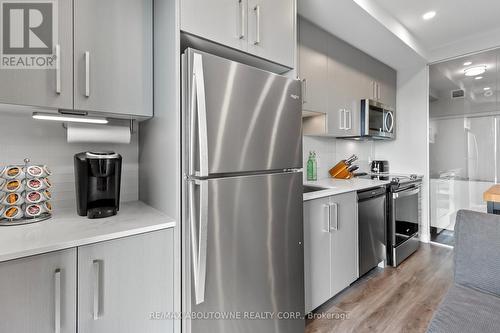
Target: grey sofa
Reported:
[(472, 304)]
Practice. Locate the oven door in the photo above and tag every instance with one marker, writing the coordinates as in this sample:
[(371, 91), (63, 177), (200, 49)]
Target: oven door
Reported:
[(405, 215)]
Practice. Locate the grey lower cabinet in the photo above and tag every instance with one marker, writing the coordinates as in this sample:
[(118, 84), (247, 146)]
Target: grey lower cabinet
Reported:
[(113, 56), (112, 286), (51, 88), (337, 76), (331, 247), (38, 294), (121, 282), (263, 28)]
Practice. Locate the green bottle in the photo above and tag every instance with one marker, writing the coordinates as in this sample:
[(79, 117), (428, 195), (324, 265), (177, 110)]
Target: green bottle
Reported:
[(315, 167), (310, 165)]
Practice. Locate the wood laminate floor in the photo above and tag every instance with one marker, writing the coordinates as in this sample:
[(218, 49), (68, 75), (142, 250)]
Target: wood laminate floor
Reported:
[(390, 300)]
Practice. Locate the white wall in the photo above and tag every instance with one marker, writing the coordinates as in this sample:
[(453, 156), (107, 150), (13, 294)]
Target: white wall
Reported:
[(409, 152), (45, 142)]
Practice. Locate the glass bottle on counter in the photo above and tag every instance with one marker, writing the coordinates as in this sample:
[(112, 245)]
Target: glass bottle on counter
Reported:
[(312, 167)]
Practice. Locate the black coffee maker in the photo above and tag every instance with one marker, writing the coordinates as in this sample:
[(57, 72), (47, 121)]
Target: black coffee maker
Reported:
[(97, 178)]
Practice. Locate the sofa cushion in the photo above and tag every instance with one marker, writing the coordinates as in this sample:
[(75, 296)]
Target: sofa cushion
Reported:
[(466, 310)]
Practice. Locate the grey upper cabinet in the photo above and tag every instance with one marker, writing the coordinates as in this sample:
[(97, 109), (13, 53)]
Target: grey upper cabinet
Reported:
[(263, 28), (221, 21), (271, 30), (317, 252), (121, 282), (337, 76), (330, 247), (313, 67), (38, 293), (113, 56), (39, 87), (344, 242)]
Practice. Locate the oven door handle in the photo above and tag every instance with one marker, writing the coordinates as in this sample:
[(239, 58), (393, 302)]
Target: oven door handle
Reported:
[(406, 193)]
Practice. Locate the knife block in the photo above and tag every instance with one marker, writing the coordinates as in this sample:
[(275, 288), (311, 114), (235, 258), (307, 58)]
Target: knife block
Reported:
[(340, 171)]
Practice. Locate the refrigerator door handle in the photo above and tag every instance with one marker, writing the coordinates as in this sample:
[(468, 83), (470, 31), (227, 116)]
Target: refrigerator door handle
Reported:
[(199, 239), (199, 86)]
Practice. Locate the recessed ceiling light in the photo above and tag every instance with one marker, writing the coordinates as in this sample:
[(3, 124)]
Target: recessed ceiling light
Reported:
[(473, 71), (478, 78), (468, 63), (486, 88), (429, 15)]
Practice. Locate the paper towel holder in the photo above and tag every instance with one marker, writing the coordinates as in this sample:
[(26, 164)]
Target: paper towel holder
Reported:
[(112, 121)]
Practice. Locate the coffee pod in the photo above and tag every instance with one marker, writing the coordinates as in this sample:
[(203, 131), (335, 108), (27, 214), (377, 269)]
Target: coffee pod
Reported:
[(47, 207), (47, 195), (13, 199), (13, 172), (47, 171), (34, 197), (13, 186), (35, 171), (33, 210), (12, 213), (47, 183)]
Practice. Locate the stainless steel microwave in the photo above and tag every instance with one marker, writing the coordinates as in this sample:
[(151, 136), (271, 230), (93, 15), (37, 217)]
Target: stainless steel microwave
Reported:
[(378, 121)]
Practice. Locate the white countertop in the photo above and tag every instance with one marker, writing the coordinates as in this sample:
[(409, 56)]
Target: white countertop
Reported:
[(339, 186), (66, 230)]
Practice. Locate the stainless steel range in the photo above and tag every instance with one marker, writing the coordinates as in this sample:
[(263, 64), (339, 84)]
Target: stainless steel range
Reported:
[(403, 215)]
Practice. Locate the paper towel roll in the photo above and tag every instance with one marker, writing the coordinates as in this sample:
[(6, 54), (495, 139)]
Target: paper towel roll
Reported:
[(98, 133)]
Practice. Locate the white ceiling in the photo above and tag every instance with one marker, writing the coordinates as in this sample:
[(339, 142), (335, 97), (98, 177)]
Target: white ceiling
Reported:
[(456, 22), (394, 32)]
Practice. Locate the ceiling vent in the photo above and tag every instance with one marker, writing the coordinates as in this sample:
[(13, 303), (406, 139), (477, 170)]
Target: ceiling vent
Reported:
[(457, 94)]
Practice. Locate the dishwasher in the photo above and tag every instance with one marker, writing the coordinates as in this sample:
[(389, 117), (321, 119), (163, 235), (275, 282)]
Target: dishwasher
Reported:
[(372, 225)]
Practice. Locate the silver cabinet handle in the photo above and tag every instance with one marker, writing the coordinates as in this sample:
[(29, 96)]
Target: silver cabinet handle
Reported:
[(87, 74), (328, 222), (199, 239), (304, 91), (256, 10), (342, 119), (202, 113), (242, 19), (58, 69), (348, 120), (97, 308), (57, 301), (334, 212)]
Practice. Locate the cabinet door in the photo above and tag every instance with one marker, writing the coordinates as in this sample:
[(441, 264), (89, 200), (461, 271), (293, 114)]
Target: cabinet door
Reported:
[(344, 247), (38, 293), (121, 282), (271, 30), (222, 21), (317, 252), (313, 66), (39, 87), (346, 87), (113, 59)]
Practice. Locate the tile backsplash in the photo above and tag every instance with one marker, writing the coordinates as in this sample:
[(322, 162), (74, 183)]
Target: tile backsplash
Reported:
[(330, 150), (44, 142)]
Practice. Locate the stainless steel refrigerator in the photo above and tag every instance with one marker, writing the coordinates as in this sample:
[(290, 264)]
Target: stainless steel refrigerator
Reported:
[(243, 261)]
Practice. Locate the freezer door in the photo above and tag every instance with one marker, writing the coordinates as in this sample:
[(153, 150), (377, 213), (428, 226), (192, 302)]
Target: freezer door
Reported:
[(244, 262), (238, 118)]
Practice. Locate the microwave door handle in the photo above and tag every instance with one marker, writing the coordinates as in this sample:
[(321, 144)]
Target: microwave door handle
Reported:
[(199, 239), (199, 83), (391, 127)]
